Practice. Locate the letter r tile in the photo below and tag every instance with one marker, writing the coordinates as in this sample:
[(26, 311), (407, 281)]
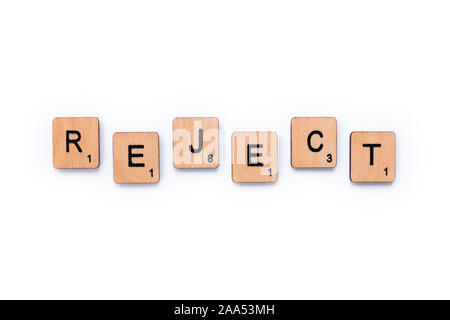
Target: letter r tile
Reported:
[(136, 157), (255, 157), (76, 143), (195, 143), (372, 156)]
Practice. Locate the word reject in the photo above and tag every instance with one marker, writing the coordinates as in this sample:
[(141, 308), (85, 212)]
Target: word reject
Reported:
[(196, 146)]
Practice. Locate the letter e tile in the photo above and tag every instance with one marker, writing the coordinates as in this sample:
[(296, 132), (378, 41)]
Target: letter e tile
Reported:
[(136, 157), (255, 156)]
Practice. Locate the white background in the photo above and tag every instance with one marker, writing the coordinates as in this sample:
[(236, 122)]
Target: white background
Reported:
[(374, 65)]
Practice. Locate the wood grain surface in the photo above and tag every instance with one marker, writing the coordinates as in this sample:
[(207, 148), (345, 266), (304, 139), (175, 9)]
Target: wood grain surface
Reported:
[(372, 156), (195, 143), (76, 143), (313, 142), (136, 157), (255, 156)]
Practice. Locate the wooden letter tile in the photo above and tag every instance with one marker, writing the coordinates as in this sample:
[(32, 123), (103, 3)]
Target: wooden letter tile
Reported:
[(313, 142), (76, 143), (195, 143), (136, 157), (372, 156), (255, 157)]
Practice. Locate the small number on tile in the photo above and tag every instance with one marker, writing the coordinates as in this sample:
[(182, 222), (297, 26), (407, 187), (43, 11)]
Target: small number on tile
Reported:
[(329, 158)]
